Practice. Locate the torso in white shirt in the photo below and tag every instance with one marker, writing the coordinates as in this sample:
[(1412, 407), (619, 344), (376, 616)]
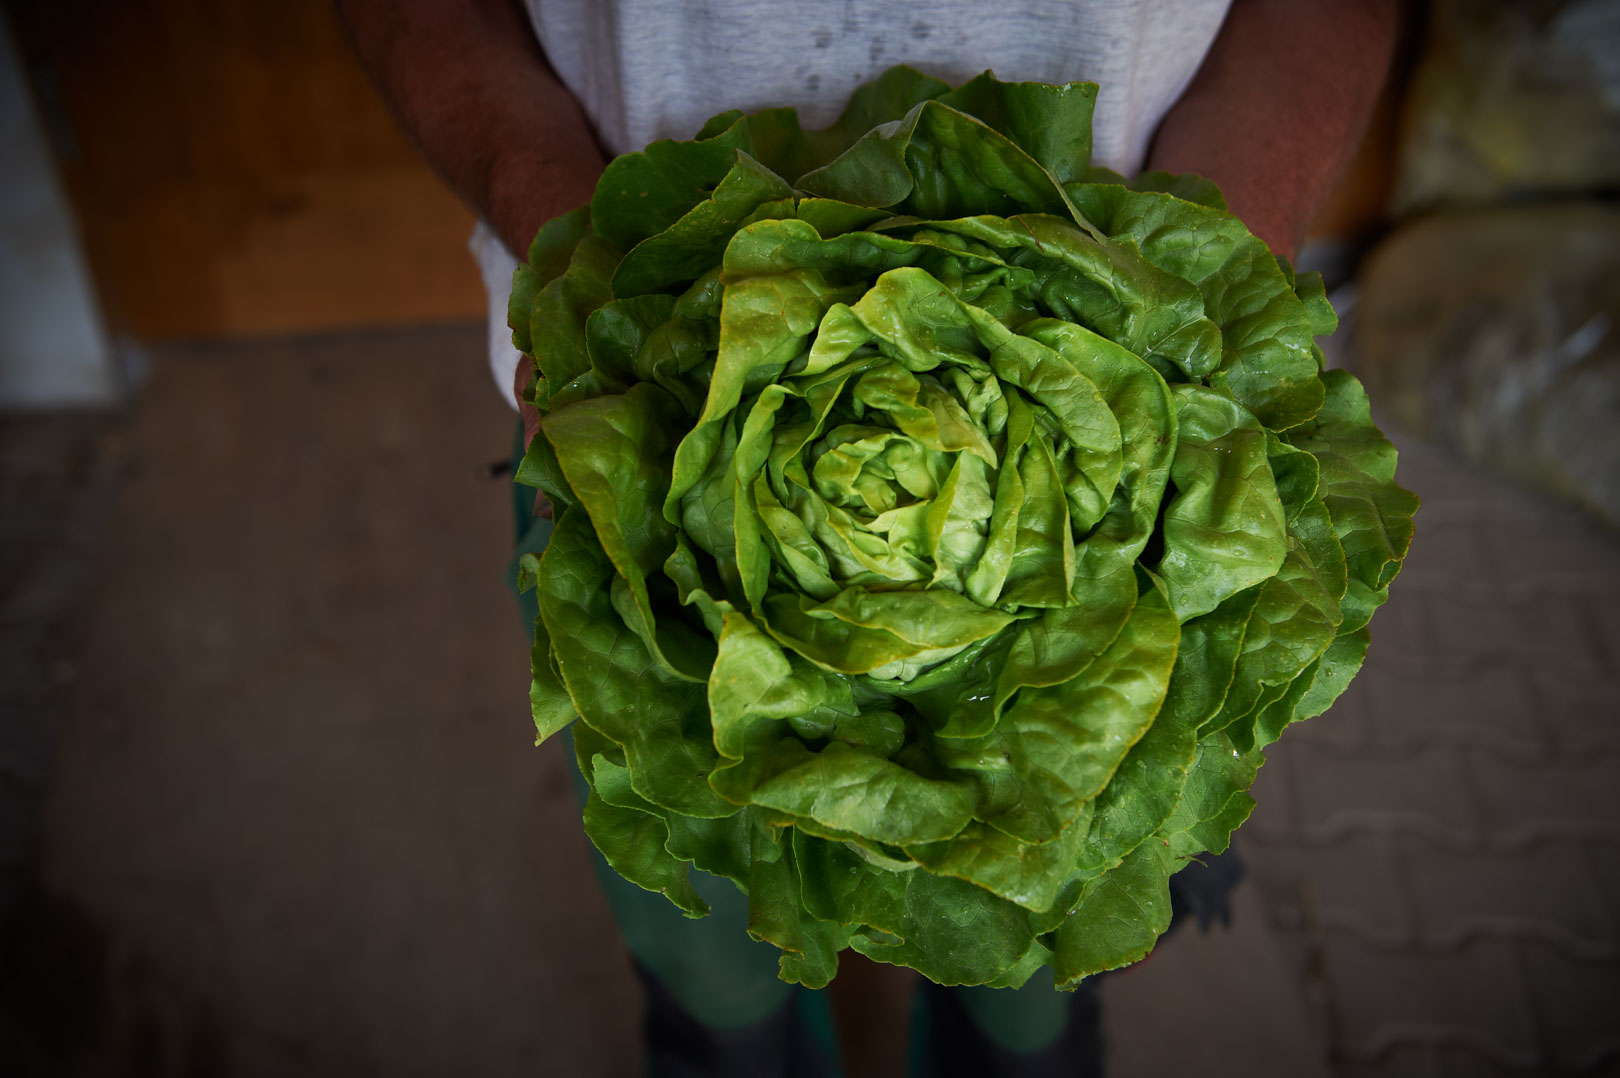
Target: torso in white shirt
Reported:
[(651, 69)]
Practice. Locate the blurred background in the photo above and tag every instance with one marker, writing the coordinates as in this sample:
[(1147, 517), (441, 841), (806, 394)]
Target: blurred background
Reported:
[(268, 804)]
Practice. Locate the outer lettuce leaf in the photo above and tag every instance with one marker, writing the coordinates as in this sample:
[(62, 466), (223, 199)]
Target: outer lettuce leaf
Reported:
[(1058, 745), (782, 145), (1118, 918), (778, 912), (1223, 528), (660, 720), (947, 929), (1106, 286), (548, 259), (1371, 515), (693, 245), (549, 703), (1267, 362), (635, 842), (557, 324), (1052, 124)]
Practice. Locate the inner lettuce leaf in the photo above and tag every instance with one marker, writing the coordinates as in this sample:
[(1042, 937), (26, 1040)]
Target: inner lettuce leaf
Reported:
[(945, 526)]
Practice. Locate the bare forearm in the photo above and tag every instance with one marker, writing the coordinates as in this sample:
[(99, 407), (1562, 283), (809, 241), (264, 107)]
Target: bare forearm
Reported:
[(467, 80), (1276, 111)]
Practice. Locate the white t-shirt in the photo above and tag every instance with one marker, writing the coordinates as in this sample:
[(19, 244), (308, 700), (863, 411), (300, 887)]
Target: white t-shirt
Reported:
[(651, 69)]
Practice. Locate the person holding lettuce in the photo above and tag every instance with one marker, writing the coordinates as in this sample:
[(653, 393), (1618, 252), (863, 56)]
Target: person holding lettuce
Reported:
[(520, 106)]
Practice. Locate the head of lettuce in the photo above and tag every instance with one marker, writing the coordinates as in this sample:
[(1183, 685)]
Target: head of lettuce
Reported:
[(944, 526)]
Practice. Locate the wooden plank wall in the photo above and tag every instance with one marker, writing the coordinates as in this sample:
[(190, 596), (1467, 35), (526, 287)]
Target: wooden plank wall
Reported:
[(235, 174)]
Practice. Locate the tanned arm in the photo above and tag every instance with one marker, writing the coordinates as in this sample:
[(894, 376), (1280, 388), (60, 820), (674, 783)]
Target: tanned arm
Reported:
[(1279, 106), (467, 80)]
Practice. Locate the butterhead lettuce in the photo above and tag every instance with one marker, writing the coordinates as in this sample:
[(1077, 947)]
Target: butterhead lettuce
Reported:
[(944, 526)]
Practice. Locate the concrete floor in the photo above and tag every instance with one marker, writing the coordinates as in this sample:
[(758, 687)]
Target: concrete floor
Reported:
[(295, 823)]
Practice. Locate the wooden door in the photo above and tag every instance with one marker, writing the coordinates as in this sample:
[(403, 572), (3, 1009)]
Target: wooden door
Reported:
[(234, 173)]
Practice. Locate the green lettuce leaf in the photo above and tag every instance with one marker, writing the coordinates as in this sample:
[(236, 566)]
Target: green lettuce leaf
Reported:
[(945, 525)]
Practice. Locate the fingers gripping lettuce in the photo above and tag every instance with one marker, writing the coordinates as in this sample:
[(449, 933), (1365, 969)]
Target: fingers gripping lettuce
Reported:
[(943, 526)]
